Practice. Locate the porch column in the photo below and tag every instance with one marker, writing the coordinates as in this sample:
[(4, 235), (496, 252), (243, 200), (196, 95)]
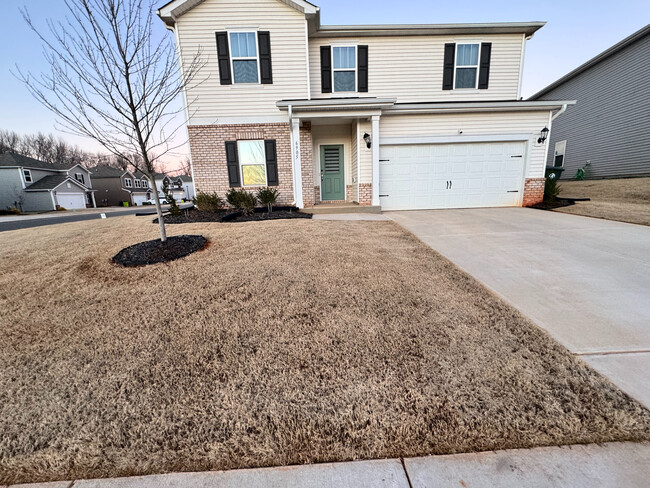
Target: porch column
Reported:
[(375, 160), (92, 196), (296, 163)]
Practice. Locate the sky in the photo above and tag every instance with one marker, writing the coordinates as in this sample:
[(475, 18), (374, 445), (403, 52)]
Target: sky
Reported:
[(575, 32)]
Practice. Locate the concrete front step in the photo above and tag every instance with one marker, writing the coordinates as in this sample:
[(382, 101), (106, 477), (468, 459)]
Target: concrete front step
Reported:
[(337, 208)]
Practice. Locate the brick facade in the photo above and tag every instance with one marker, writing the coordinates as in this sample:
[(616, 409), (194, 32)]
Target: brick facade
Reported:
[(533, 191), (207, 145), (365, 193)]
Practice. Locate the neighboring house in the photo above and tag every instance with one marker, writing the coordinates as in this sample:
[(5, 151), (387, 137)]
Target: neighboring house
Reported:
[(181, 187), (37, 186), (397, 116), (606, 133), (115, 186)]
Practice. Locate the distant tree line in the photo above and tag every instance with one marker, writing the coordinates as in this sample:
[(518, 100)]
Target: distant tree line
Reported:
[(50, 149)]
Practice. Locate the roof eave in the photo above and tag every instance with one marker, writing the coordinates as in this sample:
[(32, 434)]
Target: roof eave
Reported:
[(527, 28)]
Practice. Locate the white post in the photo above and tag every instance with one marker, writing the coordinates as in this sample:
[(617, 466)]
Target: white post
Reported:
[(92, 195), (297, 165), (375, 160)]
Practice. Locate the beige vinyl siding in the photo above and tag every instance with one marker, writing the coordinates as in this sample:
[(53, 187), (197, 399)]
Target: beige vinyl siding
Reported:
[(409, 68), (365, 154), (354, 161), (210, 100), (495, 123)]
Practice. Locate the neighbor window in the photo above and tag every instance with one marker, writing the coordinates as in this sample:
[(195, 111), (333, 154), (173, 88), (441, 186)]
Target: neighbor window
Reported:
[(466, 72), (127, 182), (243, 52), (28, 175), (560, 149), (344, 64), (80, 178), (145, 184), (252, 161), (137, 183)]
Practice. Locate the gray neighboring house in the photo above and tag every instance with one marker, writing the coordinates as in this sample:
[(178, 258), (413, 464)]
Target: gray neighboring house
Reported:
[(115, 186), (36, 186), (606, 132)]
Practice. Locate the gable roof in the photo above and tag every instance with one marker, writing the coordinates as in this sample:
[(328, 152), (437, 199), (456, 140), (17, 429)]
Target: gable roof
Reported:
[(104, 171), (175, 8), (18, 160), (51, 182), (607, 53)]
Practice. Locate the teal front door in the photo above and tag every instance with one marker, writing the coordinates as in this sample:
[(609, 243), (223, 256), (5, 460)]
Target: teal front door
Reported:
[(332, 178)]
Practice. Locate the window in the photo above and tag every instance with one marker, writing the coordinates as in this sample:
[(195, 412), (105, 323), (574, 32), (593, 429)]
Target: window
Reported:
[(466, 71), (560, 149), (27, 174), (145, 184), (252, 161), (243, 52), (79, 177), (137, 183), (344, 70), (127, 182)]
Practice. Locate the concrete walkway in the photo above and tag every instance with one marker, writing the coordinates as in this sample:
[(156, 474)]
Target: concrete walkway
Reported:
[(591, 466), (586, 281)]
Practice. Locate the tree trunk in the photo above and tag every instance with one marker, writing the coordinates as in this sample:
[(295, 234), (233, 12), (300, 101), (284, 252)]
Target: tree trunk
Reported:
[(161, 222)]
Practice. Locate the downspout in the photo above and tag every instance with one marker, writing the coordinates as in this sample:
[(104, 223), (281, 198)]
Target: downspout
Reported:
[(293, 161), (560, 112)]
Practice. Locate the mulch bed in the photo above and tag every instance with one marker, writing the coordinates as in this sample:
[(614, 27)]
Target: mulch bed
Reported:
[(552, 205), (260, 214), (152, 252)]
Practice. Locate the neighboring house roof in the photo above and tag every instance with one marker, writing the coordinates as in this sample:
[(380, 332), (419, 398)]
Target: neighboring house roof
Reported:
[(18, 160), (106, 172), (638, 35), (185, 178), (51, 182)]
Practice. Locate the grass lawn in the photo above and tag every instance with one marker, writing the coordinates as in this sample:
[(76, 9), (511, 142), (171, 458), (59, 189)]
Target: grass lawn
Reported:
[(282, 343), (626, 199)]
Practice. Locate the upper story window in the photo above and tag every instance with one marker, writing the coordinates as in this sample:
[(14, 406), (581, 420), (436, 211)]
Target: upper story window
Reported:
[(145, 184), (80, 178), (466, 71), (27, 174), (252, 162), (128, 183), (243, 52), (344, 64), (560, 149), (137, 183)]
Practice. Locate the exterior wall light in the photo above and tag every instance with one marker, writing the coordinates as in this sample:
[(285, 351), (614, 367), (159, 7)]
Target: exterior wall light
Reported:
[(368, 139), (542, 136)]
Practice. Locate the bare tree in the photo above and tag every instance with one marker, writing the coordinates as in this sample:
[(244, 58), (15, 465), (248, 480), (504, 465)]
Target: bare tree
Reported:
[(9, 141), (111, 81)]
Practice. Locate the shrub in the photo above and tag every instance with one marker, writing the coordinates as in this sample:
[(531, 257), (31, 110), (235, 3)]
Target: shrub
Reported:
[(10, 211), (551, 189), (268, 197), (59, 208), (169, 198), (208, 202), (241, 200)]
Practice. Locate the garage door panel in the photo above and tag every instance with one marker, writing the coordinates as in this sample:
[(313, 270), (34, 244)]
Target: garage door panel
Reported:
[(71, 200), (482, 174)]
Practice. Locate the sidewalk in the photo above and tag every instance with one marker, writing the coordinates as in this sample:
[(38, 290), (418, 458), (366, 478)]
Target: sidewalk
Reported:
[(53, 214), (614, 465)]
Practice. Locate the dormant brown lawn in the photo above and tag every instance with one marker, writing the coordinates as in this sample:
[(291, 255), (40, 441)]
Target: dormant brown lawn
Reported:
[(281, 343)]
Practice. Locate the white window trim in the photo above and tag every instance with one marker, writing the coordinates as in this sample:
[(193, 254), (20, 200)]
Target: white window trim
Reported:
[(128, 183), (82, 181), (356, 68), (249, 58), (31, 178), (563, 154), (137, 183), (145, 183), (241, 165), (477, 66)]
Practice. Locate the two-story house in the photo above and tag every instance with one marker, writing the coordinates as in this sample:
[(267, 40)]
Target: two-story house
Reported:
[(115, 186), (181, 187), (32, 185), (396, 116)]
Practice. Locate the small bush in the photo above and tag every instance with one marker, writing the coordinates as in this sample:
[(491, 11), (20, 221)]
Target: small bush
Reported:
[(268, 197), (241, 200), (10, 211), (551, 189), (208, 202), (59, 208)]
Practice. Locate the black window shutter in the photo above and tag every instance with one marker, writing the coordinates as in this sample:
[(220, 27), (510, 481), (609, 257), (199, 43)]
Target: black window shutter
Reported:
[(484, 66), (233, 163), (326, 69), (448, 67), (362, 69), (266, 71), (271, 163), (223, 56)]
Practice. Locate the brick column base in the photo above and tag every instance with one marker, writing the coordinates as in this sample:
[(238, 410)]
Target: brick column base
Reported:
[(533, 191), (365, 193)]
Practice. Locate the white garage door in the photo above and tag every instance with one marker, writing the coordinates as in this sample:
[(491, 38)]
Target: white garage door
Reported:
[(424, 176), (71, 200), (139, 199)]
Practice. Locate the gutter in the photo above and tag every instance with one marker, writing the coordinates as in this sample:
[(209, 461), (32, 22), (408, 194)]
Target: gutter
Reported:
[(560, 112)]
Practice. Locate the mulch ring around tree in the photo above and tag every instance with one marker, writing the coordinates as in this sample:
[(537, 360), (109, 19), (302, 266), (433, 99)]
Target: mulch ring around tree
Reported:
[(195, 215), (152, 252)]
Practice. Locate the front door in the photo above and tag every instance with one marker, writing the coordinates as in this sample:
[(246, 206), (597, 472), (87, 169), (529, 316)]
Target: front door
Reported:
[(331, 173)]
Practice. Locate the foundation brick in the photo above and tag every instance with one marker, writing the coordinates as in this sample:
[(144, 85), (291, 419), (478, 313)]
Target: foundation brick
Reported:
[(533, 191)]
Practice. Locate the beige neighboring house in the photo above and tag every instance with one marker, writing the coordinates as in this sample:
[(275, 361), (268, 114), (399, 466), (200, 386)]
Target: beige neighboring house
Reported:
[(393, 116)]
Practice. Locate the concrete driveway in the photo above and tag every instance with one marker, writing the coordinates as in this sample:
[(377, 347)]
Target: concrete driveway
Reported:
[(586, 281)]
